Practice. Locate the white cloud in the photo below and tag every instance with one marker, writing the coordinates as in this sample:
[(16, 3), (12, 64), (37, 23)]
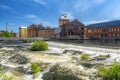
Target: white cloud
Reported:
[(33, 18), (116, 17), (82, 5), (69, 15), (93, 22), (40, 2), (4, 6), (99, 1), (45, 23), (36, 20)]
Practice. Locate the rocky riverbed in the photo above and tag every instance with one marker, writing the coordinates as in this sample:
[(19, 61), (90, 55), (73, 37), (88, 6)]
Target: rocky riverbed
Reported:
[(60, 62)]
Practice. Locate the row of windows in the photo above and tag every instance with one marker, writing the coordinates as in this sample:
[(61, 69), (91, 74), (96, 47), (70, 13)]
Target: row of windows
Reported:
[(75, 28), (110, 35), (105, 30)]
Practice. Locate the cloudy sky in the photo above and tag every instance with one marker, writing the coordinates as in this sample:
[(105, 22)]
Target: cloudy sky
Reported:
[(25, 12)]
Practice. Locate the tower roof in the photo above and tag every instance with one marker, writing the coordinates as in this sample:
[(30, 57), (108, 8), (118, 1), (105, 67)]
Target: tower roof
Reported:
[(64, 16)]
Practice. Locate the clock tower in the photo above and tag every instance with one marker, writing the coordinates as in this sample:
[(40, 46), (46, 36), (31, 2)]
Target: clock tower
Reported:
[(63, 19)]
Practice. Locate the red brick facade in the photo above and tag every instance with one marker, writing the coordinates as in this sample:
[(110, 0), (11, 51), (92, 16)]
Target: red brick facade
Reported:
[(32, 31), (103, 33), (73, 28)]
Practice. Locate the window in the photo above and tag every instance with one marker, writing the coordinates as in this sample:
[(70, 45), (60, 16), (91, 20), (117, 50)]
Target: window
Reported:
[(118, 29), (82, 28), (109, 35), (89, 31), (118, 35)]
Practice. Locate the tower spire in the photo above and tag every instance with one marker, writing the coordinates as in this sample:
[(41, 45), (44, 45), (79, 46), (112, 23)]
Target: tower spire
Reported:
[(6, 27)]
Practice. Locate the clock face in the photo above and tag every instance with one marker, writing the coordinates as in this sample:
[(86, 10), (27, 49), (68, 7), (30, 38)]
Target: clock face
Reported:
[(64, 16)]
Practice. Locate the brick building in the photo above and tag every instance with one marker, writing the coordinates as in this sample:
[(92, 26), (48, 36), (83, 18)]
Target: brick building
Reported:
[(73, 29), (33, 30), (105, 30), (46, 33), (63, 20)]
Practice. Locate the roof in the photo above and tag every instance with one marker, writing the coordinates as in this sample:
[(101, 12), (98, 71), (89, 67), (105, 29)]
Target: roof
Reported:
[(74, 22), (64, 16), (115, 23)]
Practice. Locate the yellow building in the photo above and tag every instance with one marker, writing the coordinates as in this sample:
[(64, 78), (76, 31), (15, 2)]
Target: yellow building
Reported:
[(23, 31), (46, 33)]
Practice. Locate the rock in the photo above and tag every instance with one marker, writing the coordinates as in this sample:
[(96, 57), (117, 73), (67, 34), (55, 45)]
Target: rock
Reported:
[(19, 59), (64, 72), (102, 57), (90, 64), (73, 52), (21, 69), (7, 49)]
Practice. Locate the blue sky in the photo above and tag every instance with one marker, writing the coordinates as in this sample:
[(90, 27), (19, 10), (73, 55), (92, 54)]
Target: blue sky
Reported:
[(25, 12)]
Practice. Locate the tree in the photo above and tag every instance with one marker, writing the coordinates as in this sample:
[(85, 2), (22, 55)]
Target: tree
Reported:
[(7, 34)]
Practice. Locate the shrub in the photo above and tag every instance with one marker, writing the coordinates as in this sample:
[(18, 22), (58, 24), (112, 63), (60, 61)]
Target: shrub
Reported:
[(111, 73), (35, 68), (84, 56), (39, 46)]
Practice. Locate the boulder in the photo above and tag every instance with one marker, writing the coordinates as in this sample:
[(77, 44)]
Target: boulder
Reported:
[(19, 59)]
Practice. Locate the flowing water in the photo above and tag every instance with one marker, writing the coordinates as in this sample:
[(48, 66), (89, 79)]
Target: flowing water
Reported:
[(93, 51), (55, 54)]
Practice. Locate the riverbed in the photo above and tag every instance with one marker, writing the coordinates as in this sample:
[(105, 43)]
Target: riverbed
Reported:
[(62, 54)]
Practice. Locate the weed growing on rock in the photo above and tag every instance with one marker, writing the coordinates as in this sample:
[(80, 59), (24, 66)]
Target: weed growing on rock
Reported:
[(35, 68), (84, 56)]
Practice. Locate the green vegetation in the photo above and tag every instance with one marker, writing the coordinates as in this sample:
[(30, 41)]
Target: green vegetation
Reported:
[(6, 34), (111, 73), (7, 78), (36, 68), (84, 56), (4, 77), (1, 69), (26, 41), (39, 46)]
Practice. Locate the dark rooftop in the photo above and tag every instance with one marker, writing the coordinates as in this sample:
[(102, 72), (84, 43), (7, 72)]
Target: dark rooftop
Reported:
[(105, 24)]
